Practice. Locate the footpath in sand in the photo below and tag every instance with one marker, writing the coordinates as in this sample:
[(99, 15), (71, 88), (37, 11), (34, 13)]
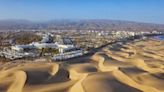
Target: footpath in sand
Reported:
[(122, 67)]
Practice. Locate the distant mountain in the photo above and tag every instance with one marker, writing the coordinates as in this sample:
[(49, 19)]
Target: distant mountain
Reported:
[(109, 25)]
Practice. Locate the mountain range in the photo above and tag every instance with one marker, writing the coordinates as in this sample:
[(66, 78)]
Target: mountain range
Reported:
[(108, 25)]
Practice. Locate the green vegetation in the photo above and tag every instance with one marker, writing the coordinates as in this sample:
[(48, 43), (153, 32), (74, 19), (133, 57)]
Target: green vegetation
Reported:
[(48, 50), (26, 38)]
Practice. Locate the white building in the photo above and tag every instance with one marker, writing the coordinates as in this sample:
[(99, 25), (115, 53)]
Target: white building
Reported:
[(21, 47), (66, 49)]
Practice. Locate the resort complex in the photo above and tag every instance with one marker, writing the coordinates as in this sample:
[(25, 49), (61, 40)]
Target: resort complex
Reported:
[(61, 49)]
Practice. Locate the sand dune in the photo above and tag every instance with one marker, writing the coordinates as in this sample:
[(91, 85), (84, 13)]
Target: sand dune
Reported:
[(121, 67)]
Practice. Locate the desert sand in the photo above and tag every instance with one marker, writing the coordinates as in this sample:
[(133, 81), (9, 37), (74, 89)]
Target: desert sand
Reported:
[(136, 66)]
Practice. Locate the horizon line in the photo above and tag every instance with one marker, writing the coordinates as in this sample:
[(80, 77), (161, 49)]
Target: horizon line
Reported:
[(69, 19)]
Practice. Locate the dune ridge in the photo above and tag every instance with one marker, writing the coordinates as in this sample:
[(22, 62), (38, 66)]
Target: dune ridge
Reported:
[(136, 66)]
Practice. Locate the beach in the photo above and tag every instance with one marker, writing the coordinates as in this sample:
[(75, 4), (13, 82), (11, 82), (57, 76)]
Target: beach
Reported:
[(135, 66)]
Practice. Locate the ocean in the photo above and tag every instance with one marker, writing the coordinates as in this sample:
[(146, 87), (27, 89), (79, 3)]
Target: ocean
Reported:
[(159, 37)]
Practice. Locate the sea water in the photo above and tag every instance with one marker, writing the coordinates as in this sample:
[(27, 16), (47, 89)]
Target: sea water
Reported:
[(159, 37)]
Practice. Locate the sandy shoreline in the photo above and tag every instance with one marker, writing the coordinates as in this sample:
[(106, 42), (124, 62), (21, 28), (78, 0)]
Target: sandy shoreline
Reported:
[(136, 66)]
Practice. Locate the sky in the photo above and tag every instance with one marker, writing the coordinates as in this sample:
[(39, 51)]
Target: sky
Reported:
[(151, 11)]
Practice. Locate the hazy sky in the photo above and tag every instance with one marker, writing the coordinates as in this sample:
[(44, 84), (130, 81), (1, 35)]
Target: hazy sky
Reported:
[(40, 10)]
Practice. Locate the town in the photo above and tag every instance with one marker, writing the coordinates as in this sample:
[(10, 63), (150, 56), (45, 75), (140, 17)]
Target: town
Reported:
[(62, 45)]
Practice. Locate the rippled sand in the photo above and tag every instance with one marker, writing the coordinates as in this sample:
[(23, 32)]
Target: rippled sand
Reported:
[(122, 67)]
